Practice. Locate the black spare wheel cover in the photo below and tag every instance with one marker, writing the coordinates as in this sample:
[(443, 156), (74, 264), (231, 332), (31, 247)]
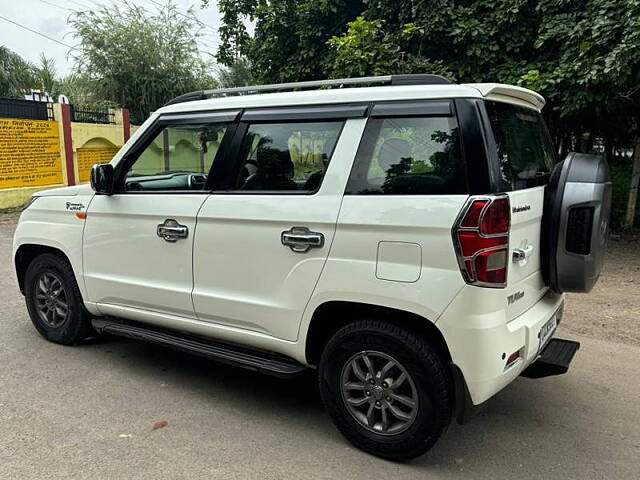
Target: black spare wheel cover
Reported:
[(577, 205)]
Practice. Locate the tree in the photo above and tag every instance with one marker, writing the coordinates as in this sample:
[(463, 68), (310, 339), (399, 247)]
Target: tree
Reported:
[(238, 74), (233, 32), (137, 58), (593, 81), (45, 74), (16, 74), (290, 38), (582, 55), (367, 49)]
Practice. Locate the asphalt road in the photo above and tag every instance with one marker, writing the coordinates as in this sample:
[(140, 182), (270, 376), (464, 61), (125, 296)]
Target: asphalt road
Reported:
[(88, 412)]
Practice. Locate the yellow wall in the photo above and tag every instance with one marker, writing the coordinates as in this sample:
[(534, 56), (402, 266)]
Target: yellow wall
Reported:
[(94, 143), (29, 153), (32, 154)]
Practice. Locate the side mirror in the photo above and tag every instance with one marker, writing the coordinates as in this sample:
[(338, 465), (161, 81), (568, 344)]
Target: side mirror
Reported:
[(102, 178)]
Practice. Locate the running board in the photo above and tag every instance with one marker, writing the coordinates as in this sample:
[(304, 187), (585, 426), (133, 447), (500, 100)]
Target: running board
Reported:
[(554, 359), (259, 361)]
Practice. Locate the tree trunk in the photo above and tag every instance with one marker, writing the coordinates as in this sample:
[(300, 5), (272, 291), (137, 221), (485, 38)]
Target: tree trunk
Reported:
[(633, 190)]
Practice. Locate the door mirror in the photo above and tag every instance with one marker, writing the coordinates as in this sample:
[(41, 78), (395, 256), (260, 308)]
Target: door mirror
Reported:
[(102, 178)]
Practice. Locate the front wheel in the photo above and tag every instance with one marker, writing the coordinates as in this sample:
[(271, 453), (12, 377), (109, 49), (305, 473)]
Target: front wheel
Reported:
[(386, 389), (54, 301)]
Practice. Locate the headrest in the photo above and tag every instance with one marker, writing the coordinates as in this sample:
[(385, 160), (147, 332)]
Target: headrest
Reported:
[(273, 161)]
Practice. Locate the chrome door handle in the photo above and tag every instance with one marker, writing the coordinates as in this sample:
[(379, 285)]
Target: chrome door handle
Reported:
[(301, 239), (171, 231)]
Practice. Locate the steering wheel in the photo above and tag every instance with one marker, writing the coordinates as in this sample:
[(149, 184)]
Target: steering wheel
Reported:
[(196, 181)]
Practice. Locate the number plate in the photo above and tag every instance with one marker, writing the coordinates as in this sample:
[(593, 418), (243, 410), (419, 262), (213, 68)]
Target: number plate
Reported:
[(547, 331)]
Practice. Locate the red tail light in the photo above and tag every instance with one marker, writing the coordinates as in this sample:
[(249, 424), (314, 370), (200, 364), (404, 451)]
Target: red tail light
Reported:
[(481, 237)]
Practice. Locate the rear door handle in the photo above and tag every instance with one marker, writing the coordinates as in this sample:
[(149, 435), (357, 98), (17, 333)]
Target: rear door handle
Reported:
[(301, 239), (171, 231), (522, 254)]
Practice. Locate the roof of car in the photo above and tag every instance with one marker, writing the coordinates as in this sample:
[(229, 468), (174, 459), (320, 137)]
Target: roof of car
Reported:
[(496, 91)]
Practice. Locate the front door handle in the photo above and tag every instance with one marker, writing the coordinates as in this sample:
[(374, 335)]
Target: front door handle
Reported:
[(301, 239), (171, 231)]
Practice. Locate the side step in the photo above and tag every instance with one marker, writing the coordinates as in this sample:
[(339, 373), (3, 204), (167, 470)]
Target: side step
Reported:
[(259, 361), (554, 359)]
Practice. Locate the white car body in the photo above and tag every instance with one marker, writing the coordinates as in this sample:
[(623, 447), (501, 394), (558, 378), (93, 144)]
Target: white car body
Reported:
[(233, 280)]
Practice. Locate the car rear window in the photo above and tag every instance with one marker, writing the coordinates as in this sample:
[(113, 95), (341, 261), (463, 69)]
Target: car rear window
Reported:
[(525, 152), (409, 156)]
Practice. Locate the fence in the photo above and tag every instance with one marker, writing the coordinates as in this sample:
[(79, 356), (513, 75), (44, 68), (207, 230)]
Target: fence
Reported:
[(25, 109), (83, 115)]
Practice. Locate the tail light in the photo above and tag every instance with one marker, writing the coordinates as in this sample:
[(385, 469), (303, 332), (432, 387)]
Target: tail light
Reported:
[(481, 238)]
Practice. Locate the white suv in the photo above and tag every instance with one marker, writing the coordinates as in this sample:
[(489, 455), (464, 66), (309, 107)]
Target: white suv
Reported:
[(409, 238)]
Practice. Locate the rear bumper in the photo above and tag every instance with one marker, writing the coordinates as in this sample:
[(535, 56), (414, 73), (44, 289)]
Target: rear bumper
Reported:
[(480, 342)]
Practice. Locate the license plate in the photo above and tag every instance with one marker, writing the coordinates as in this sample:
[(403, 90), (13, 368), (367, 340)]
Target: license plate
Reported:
[(547, 331)]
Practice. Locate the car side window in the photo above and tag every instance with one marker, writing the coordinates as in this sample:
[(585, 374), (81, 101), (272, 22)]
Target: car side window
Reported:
[(179, 158), (525, 152), (291, 157), (409, 156)]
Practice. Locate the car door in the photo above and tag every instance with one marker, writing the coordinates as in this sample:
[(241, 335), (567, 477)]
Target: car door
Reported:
[(524, 156), (260, 247), (138, 242)]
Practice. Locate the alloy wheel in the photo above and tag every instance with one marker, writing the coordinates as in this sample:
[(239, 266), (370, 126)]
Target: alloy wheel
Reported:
[(379, 392)]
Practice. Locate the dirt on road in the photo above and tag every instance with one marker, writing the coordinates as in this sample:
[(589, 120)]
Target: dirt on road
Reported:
[(611, 311)]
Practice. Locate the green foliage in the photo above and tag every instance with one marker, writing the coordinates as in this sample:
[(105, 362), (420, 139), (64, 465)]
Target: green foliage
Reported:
[(46, 74), (233, 32), (238, 74), (18, 76), (15, 74), (290, 39), (582, 55), (367, 49), (138, 58)]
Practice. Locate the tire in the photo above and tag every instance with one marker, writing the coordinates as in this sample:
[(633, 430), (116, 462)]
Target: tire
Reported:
[(429, 383), (46, 275)]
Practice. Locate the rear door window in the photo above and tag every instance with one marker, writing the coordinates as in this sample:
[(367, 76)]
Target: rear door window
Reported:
[(286, 157), (525, 152), (409, 156)]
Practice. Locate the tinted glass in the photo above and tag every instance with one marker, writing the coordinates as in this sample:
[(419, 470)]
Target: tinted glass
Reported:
[(179, 158), (286, 156), (409, 156), (525, 153)]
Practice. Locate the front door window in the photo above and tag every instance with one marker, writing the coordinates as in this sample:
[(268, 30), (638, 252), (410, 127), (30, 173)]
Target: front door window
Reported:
[(179, 158)]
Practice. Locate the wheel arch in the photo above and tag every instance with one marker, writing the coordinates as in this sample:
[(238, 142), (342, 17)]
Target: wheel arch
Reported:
[(331, 316), (27, 252)]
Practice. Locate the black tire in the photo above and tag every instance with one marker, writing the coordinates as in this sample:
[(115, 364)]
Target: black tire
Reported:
[(429, 372), (76, 324)]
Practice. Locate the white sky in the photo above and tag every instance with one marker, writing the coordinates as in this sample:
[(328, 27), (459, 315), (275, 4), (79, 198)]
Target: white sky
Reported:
[(50, 18)]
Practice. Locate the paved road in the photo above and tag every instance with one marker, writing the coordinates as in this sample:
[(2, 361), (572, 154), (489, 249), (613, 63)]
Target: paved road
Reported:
[(88, 412)]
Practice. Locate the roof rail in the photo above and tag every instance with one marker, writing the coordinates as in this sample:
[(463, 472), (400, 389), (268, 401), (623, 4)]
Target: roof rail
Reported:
[(393, 80)]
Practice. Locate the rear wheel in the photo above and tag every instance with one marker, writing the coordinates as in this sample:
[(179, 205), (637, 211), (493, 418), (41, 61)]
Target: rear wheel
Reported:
[(54, 301), (387, 390)]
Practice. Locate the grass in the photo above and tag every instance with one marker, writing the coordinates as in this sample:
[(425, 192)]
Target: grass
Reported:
[(6, 211)]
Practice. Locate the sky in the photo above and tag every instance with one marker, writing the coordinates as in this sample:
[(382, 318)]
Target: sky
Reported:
[(49, 17)]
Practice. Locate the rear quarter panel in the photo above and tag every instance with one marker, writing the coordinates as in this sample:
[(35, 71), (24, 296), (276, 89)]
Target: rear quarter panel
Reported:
[(353, 269)]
